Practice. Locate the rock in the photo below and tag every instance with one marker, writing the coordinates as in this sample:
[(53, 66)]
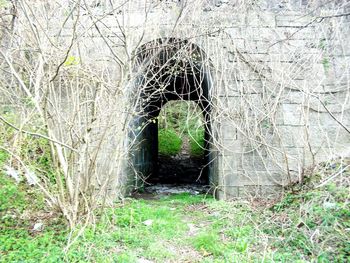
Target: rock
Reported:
[(32, 179), (207, 9), (192, 229), (148, 222), (177, 189), (13, 173), (38, 227), (328, 205)]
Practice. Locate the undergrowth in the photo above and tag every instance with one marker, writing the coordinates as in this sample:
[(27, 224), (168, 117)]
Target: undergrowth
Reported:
[(179, 121), (169, 142), (310, 223)]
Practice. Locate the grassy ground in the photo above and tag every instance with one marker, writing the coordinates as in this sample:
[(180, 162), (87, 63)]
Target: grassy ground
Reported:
[(309, 224), (179, 121)]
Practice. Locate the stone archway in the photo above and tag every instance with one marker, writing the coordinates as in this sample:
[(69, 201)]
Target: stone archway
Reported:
[(168, 69)]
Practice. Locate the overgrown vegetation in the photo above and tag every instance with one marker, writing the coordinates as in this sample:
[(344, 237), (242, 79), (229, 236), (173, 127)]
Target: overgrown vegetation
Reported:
[(196, 142), (180, 121), (169, 142), (309, 224)]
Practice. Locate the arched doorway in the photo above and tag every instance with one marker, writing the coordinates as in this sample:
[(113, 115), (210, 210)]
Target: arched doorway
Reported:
[(181, 145), (168, 70)]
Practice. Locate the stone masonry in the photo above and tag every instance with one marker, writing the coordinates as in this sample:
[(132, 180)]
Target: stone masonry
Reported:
[(280, 74)]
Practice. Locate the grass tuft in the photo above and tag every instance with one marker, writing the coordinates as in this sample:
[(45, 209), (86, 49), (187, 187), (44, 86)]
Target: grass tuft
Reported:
[(169, 142)]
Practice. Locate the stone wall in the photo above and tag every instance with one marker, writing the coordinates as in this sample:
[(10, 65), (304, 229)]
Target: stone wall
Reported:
[(280, 73)]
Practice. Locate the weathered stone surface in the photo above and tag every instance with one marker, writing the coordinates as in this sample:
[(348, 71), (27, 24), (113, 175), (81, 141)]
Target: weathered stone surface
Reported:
[(293, 19), (278, 81), (293, 114)]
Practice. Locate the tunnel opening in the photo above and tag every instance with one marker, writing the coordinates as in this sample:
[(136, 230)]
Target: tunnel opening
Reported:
[(181, 145), (170, 71)]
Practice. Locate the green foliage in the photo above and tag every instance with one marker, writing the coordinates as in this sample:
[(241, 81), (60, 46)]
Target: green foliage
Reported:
[(33, 151), (10, 195), (71, 61), (17, 242), (3, 157), (20, 246), (4, 3), (208, 243), (324, 211), (326, 64), (307, 225), (169, 142), (197, 142), (185, 120), (322, 44), (185, 199)]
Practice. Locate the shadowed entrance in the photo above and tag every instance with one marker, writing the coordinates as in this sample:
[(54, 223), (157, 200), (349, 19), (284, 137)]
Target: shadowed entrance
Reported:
[(169, 70), (181, 156)]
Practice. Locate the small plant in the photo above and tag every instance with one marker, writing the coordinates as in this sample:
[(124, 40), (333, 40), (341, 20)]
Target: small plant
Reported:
[(208, 244), (326, 64)]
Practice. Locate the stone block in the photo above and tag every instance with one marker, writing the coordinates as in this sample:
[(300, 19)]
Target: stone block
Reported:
[(258, 58), (293, 114), (230, 162), (239, 43), (229, 90), (327, 136), (341, 47), (261, 19), (258, 46), (252, 87), (334, 102), (284, 33), (336, 69), (235, 32), (242, 71), (227, 193), (317, 118), (332, 87), (258, 162), (275, 162), (293, 19), (231, 108), (251, 191), (288, 159), (253, 178), (299, 71), (258, 33), (288, 136), (271, 191)]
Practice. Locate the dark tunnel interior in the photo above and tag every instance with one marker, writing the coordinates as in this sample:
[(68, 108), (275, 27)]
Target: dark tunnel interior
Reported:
[(175, 71)]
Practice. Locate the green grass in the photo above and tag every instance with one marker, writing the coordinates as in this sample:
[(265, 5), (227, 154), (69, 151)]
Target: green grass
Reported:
[(21, 207), (307, 225), (197, 142), (169, 143), (178, 121)]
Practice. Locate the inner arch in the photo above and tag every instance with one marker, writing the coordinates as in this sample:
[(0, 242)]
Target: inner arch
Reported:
[(168, 69)]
